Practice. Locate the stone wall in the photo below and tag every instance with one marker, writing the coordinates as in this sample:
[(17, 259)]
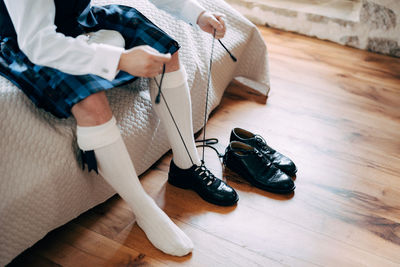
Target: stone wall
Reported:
[(376, 26)]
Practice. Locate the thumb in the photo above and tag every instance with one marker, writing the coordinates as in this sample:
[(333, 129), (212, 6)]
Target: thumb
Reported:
[(156, 55), (219, 15)]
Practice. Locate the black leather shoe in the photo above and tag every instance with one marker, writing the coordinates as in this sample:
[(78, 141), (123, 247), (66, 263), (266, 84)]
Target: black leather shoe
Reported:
[(254, 140), (256, 168), (204, 183)]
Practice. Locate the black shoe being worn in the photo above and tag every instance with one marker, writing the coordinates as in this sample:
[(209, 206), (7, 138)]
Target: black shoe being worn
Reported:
[(254, 140), (256, 168), (204, 183)]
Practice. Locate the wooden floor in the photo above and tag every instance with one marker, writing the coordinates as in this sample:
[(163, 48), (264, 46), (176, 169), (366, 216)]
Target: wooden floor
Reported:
[(336, 112)]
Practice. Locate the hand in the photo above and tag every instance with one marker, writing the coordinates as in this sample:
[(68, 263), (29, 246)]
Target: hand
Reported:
[(143, 61), (208, 21)]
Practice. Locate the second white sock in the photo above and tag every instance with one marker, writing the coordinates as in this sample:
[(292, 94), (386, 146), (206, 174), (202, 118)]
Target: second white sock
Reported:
[(116, 167)]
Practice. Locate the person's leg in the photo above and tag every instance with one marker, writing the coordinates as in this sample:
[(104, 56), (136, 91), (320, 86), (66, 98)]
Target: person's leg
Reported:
[(186, 171), (97, 130), (176, 92)]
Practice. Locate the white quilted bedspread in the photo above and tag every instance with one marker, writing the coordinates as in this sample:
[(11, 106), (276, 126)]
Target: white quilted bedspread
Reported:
[(41, 183)]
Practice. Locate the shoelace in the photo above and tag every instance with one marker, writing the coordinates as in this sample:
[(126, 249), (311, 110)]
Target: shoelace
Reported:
[(209, 142), (88, 156), (255, 151), (208, 89), (206, 142), (261, 141), (157, 100), (205, 173), (263, 158)]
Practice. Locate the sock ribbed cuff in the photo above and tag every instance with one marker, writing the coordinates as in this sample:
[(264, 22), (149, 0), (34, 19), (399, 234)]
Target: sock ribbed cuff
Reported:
[(94, 137), (173, 79)]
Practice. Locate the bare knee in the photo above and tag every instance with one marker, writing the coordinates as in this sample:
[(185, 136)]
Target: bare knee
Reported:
[(93, 110), (173, 64)]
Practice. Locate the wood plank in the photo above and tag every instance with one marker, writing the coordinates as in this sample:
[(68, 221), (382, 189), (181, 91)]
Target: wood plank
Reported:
[(256, 234), (209, 250), (335, 111), (73, 245), (107, 219), (240, 90)]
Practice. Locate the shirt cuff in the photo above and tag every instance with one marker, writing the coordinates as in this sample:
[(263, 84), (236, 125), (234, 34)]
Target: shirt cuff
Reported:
[(191, 11), (106, 60)]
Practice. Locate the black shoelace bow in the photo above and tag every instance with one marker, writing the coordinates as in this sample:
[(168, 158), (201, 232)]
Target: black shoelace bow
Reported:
[(204, 172), (264, 146), (262, 157), (266, 162)]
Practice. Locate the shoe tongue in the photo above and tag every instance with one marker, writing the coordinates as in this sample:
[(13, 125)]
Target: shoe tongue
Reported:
[(253, 141), (258, 140)]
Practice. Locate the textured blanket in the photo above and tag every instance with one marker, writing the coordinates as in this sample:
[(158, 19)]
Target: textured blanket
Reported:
[(42, 185)]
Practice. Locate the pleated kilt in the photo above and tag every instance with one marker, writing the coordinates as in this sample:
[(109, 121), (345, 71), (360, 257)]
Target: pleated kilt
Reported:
[(56, 91)]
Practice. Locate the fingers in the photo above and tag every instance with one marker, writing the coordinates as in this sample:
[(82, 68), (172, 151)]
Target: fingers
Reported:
[(217, 22), (156, 67), (154, 61), (220, 33), (143, 61), (157, 60), (153, 70), (156, 70), (212, 21)]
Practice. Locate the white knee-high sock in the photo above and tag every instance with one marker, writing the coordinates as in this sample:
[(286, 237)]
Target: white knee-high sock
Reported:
[(175, 90), (116, 167)]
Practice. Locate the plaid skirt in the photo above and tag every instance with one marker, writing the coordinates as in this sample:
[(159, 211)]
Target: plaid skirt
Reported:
[(56, 91)]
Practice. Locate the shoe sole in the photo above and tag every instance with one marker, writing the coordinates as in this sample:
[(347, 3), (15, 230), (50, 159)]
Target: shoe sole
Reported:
[(175, 182), (294, 173), (260, 186)]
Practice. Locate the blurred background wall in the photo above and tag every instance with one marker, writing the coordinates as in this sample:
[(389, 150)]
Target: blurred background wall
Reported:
[(366, 24)]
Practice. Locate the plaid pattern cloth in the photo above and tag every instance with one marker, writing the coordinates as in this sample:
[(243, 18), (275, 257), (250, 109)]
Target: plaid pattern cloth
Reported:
[(56, 91)]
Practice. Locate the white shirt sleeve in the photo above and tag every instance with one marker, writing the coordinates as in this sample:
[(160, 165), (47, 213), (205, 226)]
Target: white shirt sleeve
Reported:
[(187, 10), (33, 21)]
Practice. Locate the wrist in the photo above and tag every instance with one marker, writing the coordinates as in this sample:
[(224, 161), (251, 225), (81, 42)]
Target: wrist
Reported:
[(122, 59)]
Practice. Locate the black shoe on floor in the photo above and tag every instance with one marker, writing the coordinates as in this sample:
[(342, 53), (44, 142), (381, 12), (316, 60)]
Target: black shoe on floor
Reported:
[(256, 168), (254, 140), (204, 183)]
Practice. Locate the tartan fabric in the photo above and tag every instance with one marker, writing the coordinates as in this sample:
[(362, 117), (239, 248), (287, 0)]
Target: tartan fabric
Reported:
[(56, 91)]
